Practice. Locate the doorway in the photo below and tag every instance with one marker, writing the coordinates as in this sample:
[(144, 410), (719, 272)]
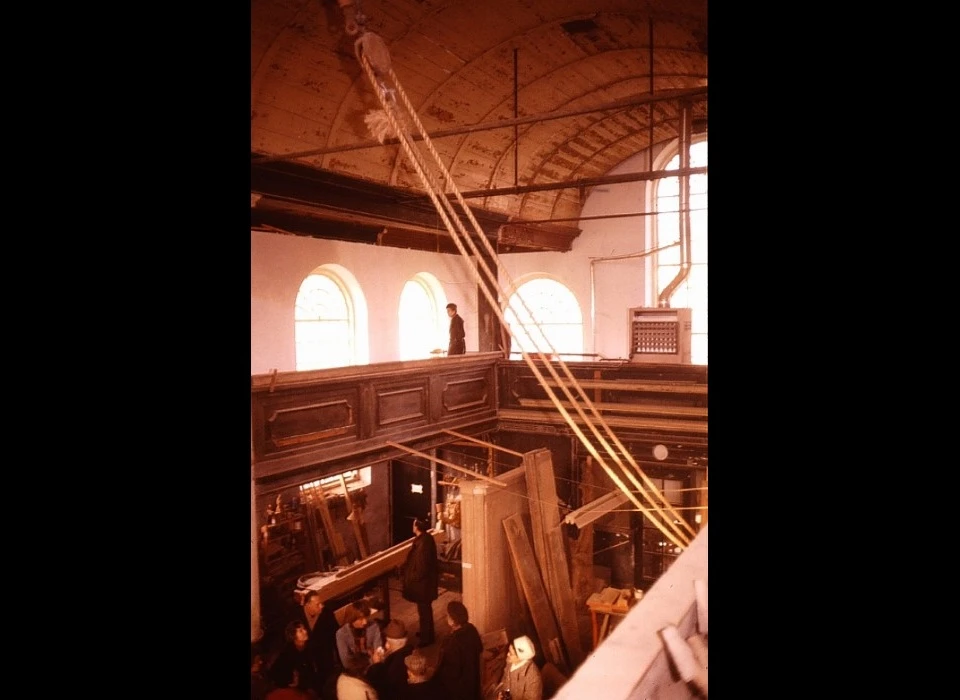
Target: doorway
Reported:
[(412, 497)]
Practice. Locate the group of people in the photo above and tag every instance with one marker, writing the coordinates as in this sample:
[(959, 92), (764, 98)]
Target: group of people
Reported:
[(356, 660)]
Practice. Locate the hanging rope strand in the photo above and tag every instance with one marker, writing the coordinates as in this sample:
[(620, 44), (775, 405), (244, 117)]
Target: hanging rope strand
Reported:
[(502, 272), (446, 211)]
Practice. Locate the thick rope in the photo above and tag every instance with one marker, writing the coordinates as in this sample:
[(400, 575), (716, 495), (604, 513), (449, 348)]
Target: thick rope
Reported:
[(494, 280), (371, 50)]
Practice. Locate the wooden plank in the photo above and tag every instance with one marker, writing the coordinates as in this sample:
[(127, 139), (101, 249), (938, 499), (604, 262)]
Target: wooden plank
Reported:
[(354, 519), (563, 600), (333, 536), (582, 577), (635, 408), (457, 467), (361, 573), (525, 564), (550, 549), (548, 417), (618, 385)]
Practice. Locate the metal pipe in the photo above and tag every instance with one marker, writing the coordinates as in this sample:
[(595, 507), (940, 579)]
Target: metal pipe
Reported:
[(593, 287), (684, 207), (584, 182), (600, 216), (664, 95), (516, 132)]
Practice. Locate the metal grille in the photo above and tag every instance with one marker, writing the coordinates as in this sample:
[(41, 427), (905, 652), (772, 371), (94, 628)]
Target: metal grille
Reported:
[(656, 336)]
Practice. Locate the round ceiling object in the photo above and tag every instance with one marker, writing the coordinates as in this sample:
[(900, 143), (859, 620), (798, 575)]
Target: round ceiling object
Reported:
[(660, 452)]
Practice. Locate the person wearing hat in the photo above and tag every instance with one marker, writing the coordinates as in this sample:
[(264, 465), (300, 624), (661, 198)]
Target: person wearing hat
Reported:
[(521, 675), (421, 578), (388, 674), (419, 685)]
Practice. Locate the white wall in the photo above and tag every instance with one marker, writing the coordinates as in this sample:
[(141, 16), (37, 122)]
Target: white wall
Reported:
[(279, 263)]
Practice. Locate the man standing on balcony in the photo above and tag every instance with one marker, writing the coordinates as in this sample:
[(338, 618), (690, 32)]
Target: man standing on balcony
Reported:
[(458, 343)]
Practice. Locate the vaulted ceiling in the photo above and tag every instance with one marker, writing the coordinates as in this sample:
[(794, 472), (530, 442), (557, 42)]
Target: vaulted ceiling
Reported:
[(528, 103)]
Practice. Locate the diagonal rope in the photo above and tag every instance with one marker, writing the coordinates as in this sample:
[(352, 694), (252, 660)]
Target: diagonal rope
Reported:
[(371, 51), (373, 45)]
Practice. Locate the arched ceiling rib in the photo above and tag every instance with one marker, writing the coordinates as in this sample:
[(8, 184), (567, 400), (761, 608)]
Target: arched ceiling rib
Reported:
[(455, 61)]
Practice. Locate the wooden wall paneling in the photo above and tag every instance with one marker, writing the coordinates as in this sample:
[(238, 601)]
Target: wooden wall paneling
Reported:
[(489, 588), (525, 563)]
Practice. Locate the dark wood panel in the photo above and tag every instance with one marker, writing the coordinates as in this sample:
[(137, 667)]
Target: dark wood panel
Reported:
[(401, 405), (305, 419)]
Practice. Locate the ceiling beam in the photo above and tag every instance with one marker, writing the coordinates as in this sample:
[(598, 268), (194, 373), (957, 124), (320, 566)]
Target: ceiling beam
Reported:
[(662, 96), (584, 182)]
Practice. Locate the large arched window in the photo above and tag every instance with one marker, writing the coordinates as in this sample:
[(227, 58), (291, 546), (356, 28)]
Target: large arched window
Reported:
[(692, 292), (330, 320), (555, 310), (423, 327)]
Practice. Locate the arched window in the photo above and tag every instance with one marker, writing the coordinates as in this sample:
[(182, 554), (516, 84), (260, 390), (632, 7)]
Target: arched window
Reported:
[(692, 292), (330, 320), (555, 310), (423, 327)]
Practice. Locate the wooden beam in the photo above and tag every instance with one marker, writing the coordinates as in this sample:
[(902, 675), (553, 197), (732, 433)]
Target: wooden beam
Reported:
[(354, 519), (618, 385), (525, 564), (583, 516), (445, 463), (483, 442), (634, 408)]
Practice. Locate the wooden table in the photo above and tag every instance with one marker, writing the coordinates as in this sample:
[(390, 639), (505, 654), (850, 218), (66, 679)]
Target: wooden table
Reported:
[(610, 601)]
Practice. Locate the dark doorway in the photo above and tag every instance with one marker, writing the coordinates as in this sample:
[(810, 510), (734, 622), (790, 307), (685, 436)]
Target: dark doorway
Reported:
[(411, 495)]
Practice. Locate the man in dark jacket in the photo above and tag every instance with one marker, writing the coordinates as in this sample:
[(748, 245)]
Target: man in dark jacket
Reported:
[(322, 625), (388, 673), (421, 578), (458, 666), (458, 343)]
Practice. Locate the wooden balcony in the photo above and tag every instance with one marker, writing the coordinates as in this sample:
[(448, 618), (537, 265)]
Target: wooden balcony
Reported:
[(343, 417)]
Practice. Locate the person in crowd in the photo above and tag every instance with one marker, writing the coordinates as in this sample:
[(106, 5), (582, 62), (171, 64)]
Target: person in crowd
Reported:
[(294, 666), (322, 645), (260, 684), (388, 674), (458, 341), (521, 675), (421, 579), (420, 685), (458, 665), (359, 637), (351, 684)]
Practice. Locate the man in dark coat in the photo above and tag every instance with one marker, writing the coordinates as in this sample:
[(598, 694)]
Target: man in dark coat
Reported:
[(322, 645), (421, 578), (458, 666), (388, 673), (458, 343)]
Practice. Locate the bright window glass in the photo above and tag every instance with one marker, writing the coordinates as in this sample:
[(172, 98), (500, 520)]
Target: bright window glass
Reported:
[(557, 314), (419, 321), (324, 324), (692, 292)]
